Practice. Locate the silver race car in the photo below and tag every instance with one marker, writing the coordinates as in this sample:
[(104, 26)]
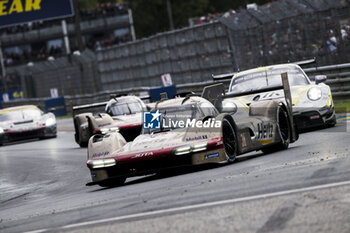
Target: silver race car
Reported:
[(312, 101), (25, 122)]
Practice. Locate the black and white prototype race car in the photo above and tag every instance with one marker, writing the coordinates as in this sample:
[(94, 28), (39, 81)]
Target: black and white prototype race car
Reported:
[(24, 122), (192, 130), (122, 114)]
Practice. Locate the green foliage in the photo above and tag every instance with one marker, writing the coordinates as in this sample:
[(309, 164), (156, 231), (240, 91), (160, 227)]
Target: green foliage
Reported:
[(87, 3), (342, 106), (151, 17)]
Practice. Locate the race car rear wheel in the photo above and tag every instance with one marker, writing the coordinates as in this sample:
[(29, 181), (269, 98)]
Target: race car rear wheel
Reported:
[(283, 130), (82, 143), (77, 134), (230, 140)]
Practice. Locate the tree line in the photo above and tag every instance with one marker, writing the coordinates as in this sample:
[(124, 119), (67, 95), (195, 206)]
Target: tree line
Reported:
[(151, 16)]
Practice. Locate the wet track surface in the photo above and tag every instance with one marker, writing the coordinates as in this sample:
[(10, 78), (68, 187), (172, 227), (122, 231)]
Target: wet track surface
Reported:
[(42, 187)]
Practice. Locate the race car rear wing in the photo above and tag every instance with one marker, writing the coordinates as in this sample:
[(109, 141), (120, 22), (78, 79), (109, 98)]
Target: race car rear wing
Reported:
[(230, 75), (305, 62), (216, 94), (223, 76), (81, 108), (99, 106)]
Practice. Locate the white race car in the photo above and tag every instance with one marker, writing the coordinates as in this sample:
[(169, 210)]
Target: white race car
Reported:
[(23, 122), (312, 101)]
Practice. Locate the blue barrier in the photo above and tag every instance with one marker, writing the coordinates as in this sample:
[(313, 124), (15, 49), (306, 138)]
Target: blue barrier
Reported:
[(155, 92), (12, 95), (57, 106)]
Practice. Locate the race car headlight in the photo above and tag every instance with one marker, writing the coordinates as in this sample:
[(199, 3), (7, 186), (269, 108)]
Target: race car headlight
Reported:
[(50, 122), (199, 147), (1, 130), (100, 163), (183, 150), (189, 149), (314, 93), (109, 130)]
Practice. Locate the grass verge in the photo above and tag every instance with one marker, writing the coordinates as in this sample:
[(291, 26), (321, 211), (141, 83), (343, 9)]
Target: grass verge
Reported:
[(342, 107)]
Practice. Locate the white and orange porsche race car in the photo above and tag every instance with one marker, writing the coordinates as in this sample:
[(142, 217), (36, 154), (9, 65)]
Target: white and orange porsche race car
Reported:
[(191, 131)]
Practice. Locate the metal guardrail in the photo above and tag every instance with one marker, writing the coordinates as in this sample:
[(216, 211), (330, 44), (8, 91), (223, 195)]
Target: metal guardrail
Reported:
[(338, 80)]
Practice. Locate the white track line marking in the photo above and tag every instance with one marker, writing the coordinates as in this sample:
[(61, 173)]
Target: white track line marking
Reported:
[(38, 231), (197, 206)]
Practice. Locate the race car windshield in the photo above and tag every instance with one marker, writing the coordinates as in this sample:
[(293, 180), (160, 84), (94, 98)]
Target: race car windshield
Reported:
[(171, 116), (266, 79), (20, 115), (118, 109)]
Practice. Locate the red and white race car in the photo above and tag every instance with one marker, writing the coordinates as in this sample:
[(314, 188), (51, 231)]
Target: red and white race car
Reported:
[(191, 131)]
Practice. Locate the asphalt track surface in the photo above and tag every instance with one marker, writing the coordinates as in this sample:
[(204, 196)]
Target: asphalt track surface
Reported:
[(303, 189)]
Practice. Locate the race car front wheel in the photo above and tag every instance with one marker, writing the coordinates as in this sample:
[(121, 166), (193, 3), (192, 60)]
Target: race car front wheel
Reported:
[(230, 141)]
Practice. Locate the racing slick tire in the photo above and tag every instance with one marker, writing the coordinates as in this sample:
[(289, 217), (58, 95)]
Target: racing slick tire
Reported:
[(77, 134), (230, 140), (81, 142), (284, 131), (113, 182)]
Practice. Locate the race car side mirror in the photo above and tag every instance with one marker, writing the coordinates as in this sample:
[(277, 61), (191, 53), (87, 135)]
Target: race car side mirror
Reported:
[(320, 78), (229, 107)]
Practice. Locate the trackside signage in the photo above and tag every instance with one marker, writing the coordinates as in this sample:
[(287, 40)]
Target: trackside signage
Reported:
[(14, 12)]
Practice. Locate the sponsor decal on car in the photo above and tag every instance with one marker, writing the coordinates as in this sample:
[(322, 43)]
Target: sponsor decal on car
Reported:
[(100, 154), (102, 125), (149, 142), (314, 117), (219, 143), (212, 155), (265, 130), (197, 138), (140, 155)]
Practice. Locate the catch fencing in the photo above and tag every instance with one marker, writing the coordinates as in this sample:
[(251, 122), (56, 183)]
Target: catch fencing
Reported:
[(338, 77), (189, 55), (278, 32), (70, 76), (290, 30)]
